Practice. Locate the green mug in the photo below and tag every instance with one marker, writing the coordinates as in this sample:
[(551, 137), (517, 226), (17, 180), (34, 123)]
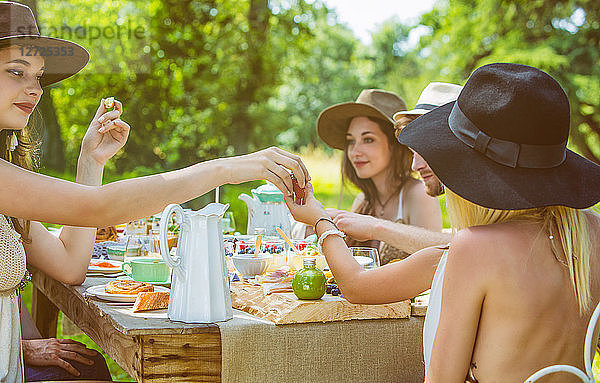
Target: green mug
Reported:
[(145, 269)]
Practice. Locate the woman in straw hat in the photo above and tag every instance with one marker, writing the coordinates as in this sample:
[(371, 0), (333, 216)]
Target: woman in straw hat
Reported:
[(379, 166), (521, 276), (397, 236), (29, 62)]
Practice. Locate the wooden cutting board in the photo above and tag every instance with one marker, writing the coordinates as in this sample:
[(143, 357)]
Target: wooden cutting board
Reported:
[(286, 308)]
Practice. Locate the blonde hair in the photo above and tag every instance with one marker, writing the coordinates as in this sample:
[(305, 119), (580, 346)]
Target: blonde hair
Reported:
[(568, 225)]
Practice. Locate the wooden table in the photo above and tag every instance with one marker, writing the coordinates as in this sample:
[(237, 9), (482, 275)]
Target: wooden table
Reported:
[(149, 349)]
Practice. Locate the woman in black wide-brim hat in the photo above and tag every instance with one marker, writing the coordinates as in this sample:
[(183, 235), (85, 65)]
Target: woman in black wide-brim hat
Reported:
[(28, 62), (515, 289)]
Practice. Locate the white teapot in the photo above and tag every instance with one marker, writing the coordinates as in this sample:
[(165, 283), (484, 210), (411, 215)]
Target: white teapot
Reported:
[(267, 209), (200, 282)]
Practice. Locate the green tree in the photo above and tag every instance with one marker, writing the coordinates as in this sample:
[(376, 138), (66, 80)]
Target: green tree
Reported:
[(206, 79), (561, 37), (323, 70)]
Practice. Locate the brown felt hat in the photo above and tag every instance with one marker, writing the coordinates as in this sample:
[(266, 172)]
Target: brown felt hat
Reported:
[(333, 122), (62, 58)]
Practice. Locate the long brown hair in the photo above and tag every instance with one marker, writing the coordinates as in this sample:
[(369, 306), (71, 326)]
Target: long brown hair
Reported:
[(26, 155), (400, 162)]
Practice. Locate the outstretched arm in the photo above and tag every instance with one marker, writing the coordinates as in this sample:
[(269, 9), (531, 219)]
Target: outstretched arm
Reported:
[(390, 283), (421, 213), (37, 197), (407, 238)]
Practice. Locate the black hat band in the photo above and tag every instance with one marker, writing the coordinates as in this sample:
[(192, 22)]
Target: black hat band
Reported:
[(501, 151), (426, 106)]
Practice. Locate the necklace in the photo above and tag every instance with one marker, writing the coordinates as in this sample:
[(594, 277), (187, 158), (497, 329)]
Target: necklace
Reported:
[(383, 205)]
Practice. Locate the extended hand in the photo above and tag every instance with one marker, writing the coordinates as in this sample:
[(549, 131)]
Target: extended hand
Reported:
[(106, 134), (357, 226), (308, 213), (56, 352), (271, 164)]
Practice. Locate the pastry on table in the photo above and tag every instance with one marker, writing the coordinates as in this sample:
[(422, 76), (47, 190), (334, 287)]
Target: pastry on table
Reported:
[(106, 234), (151, 301), (127, 287)]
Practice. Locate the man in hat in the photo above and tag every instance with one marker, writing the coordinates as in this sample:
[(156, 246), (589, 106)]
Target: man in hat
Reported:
[(408, 238)]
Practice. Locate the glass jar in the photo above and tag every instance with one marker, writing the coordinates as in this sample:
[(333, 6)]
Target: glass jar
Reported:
[(309, 282), (305, 250)]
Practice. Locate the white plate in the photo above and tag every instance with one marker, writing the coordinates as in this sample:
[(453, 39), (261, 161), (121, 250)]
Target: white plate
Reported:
[(106, 270), (98, 291)]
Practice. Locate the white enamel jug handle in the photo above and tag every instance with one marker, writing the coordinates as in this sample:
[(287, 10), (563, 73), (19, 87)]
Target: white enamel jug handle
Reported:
[(165, 219)]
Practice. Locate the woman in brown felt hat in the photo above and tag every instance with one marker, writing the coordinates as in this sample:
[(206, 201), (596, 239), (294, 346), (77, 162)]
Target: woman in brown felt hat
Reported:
[(517, 286), (379, 166), (28, 62)]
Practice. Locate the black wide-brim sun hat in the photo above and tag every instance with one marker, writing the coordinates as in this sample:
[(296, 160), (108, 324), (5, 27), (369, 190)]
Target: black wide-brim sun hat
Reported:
[(62, 58), (502, 144)]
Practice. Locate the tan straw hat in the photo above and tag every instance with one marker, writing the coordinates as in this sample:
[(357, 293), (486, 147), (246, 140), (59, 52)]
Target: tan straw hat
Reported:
[(332, 123)]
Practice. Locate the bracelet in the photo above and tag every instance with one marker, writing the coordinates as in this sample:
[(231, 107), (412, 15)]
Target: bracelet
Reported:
[(324, 219), (328, 233)]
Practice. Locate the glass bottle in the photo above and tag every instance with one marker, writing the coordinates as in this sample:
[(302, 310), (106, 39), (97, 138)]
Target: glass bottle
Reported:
[(309, 282)]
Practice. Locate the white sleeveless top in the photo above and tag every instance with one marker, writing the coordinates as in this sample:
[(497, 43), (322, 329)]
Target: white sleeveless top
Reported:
[(399, 214), (12, 271), (432, 318)]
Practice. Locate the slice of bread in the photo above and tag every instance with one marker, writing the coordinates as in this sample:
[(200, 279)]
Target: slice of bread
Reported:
[(151, 301)]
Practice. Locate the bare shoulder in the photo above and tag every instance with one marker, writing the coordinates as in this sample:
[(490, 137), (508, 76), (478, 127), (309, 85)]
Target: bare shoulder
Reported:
[(414, 194), (360, 197), (593, 219), (594, 226), (476, 248), (414, 188)]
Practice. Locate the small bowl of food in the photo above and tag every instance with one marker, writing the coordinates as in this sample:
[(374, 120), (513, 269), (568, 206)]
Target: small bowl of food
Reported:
[(250, 266)]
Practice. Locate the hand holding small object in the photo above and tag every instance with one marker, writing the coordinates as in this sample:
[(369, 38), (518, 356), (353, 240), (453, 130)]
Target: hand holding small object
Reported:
[(299, 193)]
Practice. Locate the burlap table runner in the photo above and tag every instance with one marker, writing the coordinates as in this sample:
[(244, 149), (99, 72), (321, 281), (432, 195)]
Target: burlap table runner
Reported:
[(384, 350)]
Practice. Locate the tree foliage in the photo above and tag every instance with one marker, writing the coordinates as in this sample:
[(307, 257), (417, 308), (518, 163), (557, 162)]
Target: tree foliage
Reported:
[(561, 37), (210, 78), (207, 79)]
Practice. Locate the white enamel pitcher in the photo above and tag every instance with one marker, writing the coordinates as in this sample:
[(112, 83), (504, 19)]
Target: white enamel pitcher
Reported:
[(200, 282)]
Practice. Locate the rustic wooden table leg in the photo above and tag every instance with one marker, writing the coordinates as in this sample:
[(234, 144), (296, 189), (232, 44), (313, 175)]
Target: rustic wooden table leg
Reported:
[(44, 313)]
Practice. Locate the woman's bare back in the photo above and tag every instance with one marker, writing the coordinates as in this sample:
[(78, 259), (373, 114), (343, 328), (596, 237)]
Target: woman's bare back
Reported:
[(530, 316)]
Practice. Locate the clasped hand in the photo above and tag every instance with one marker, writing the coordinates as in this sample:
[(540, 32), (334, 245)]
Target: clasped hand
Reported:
[(358, 226), (56, 352)]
